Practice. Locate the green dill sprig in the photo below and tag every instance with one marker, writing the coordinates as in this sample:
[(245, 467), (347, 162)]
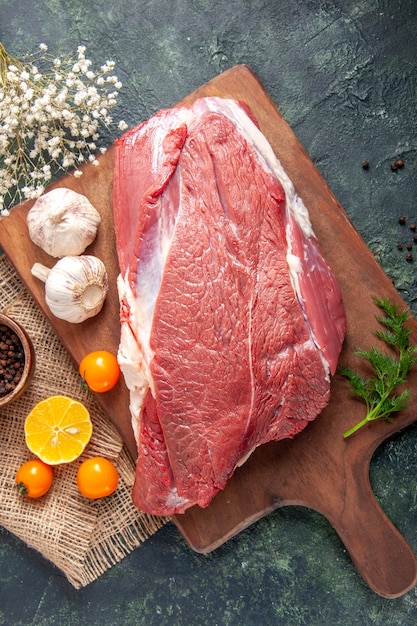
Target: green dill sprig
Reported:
[(391, 370)]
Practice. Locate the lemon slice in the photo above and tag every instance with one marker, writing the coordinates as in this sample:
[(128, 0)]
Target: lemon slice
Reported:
[(58, 429)]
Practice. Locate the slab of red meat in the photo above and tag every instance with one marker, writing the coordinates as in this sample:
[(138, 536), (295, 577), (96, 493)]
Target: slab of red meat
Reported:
[(231, 320)]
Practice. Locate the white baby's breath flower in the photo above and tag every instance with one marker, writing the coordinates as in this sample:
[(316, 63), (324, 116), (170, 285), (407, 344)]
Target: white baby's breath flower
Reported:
[(67, 161), (29, 93), (51, 113)]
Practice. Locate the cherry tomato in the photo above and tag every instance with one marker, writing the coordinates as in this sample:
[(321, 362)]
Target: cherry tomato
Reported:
[(97, 477), (34, 478), (100, 370)]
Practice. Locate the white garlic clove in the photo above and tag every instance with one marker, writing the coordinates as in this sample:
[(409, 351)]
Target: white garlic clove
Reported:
[(63, 222), (75, 288)]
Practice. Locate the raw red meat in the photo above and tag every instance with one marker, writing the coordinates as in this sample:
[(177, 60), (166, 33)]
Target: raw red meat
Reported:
[(231, 320)]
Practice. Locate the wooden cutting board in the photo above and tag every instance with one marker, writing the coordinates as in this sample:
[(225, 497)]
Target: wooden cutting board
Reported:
[(318, 469)]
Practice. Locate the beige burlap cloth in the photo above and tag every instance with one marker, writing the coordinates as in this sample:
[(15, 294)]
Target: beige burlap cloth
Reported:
[(82, 538)]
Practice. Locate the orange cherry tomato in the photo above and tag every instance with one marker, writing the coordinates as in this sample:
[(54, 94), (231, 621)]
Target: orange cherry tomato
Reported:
[(100, 370), (97, 477), (34, 478)]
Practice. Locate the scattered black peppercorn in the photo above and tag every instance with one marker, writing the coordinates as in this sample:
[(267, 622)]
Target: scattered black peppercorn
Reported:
[(12, 360), (401, 220), (399, 245), (415, 238), (413, 227), (365, 165), (409, 246), (395, 165), (409, 257)]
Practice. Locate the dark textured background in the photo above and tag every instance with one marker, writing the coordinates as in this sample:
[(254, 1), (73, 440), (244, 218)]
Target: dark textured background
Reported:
[(344, 75)]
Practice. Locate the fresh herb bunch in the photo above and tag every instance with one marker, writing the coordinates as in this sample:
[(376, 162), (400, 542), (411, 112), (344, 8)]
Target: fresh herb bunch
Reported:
[(390, 370), (51, 112)]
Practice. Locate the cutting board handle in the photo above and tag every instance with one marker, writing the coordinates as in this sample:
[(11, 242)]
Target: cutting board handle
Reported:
[(364, 528)]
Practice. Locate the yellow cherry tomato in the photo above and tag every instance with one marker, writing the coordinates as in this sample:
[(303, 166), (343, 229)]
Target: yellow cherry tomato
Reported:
[(34, 478), (100, 370), (97, 477)]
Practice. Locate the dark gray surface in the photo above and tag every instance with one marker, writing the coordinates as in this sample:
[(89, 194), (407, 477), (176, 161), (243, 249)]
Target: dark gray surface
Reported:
[(344, 75)]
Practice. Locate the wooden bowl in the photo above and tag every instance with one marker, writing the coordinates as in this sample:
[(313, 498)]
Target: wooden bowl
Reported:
[(29, 359)]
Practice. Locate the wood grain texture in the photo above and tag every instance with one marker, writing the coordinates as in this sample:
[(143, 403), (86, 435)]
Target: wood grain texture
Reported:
[(318, 469)]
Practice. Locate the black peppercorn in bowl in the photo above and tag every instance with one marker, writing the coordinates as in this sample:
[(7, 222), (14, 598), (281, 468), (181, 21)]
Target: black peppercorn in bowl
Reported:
[(17, 360)]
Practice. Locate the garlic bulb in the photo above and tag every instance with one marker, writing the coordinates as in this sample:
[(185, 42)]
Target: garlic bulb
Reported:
[(75, 288), (63, 222)]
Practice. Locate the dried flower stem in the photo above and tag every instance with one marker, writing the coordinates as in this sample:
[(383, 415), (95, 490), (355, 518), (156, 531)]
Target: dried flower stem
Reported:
[(6, 59)]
